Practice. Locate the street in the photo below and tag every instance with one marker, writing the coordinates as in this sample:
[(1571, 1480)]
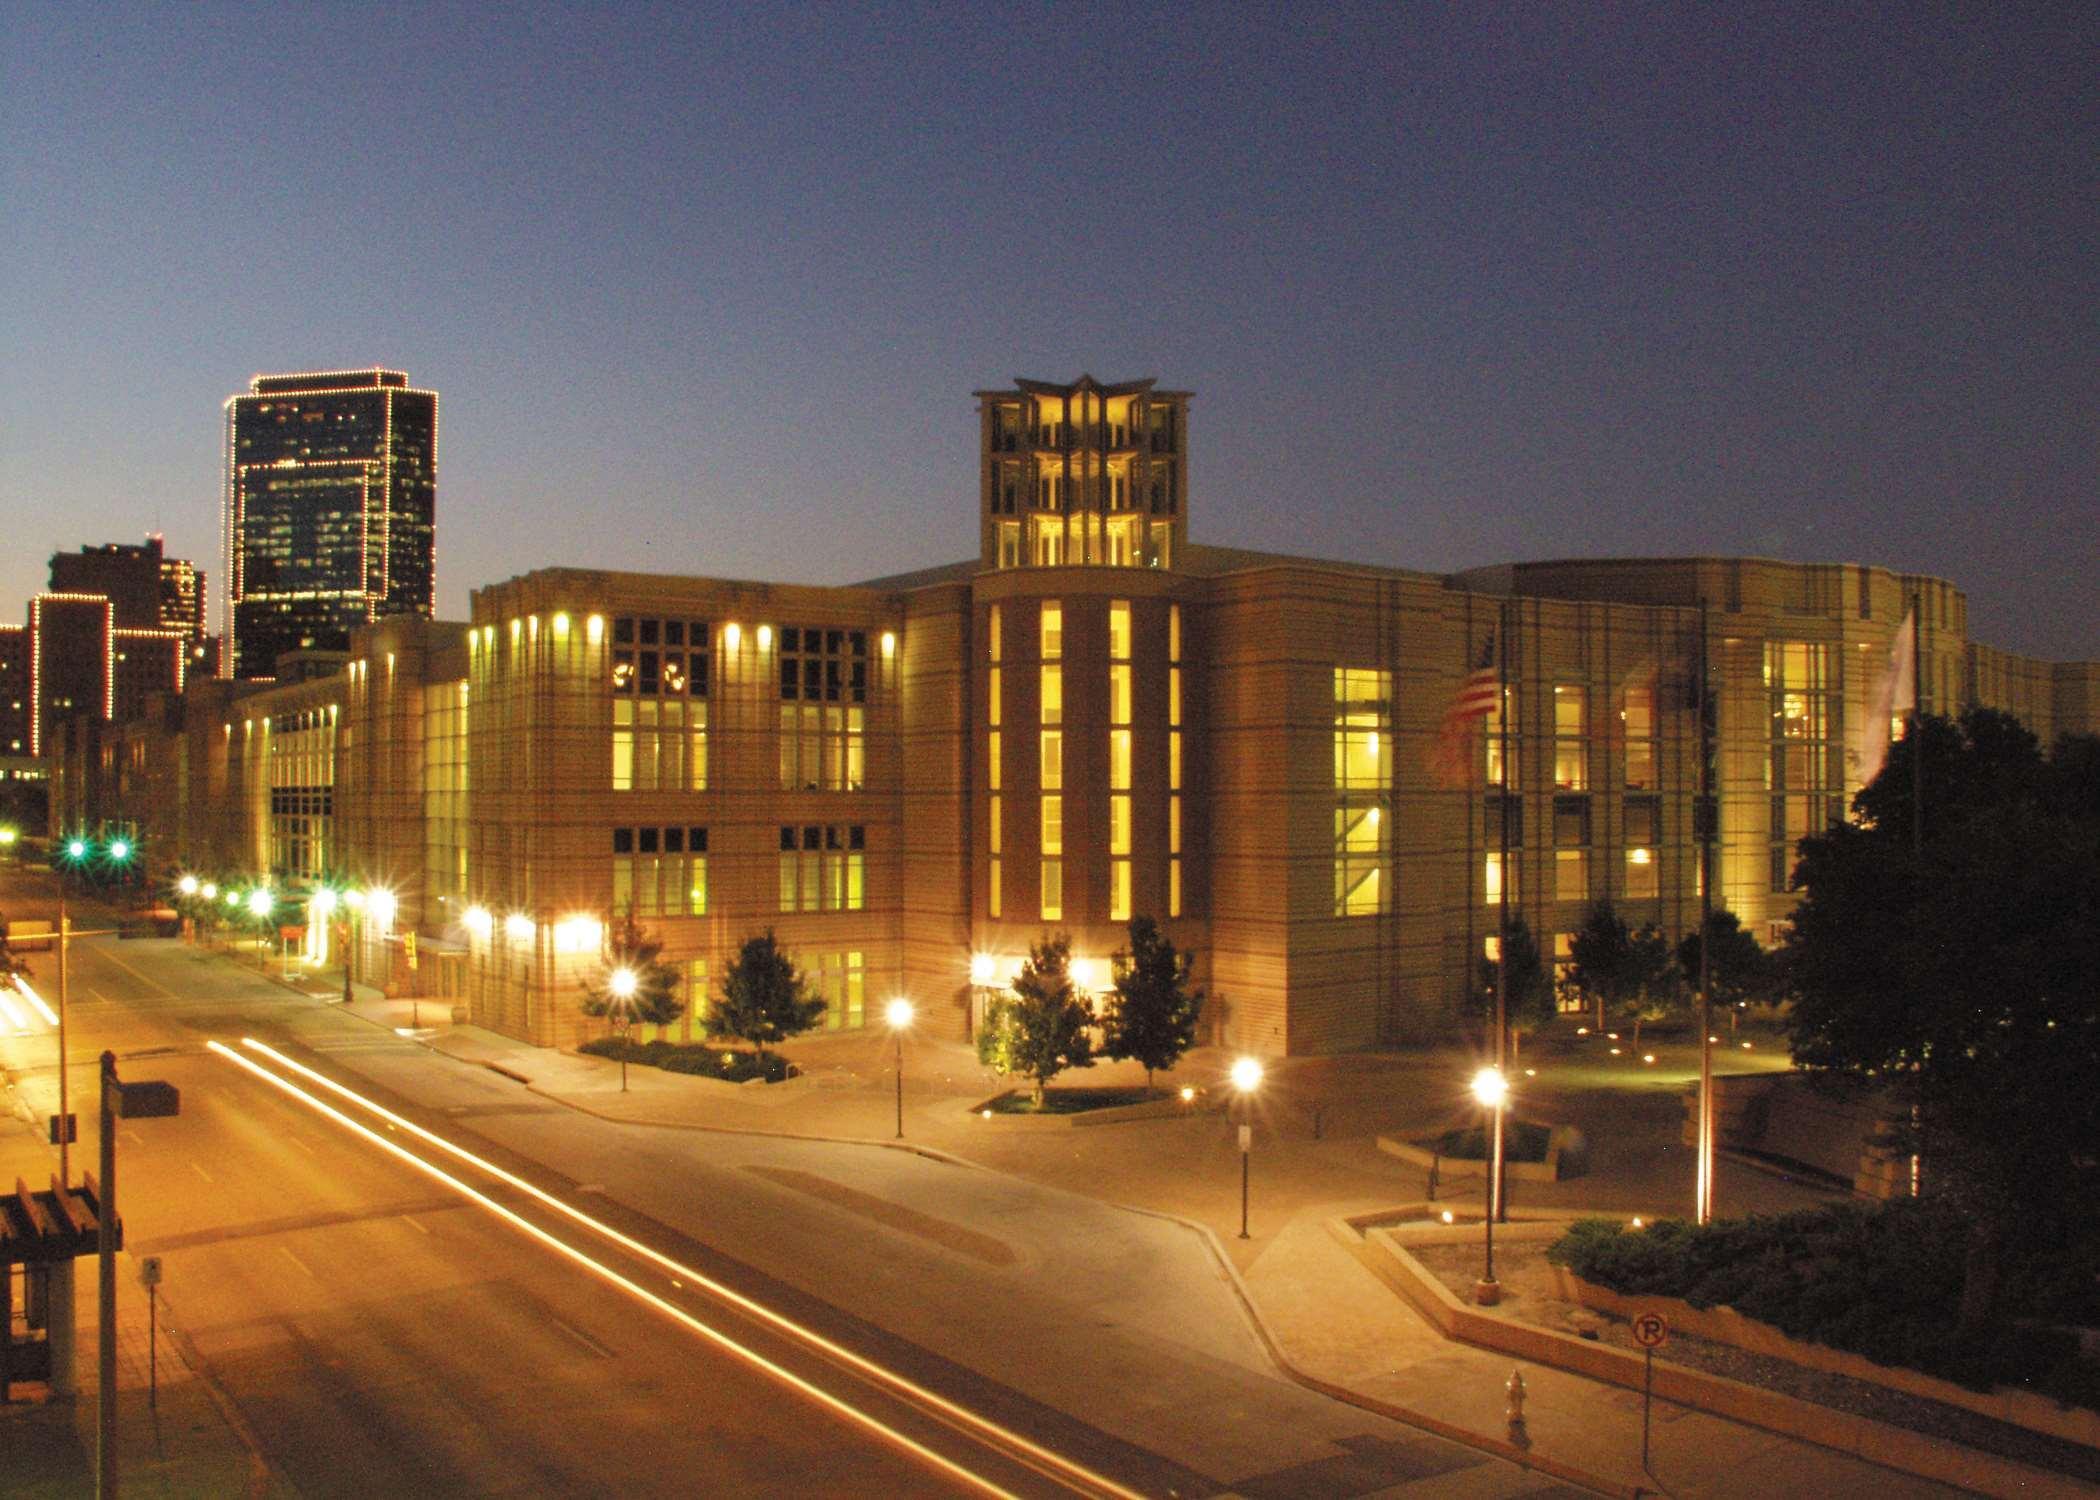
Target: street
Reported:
[(379, 1332)]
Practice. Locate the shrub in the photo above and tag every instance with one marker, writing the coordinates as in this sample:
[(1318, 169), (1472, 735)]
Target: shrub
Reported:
[(1522, 1140), (1876, 1282), (732, 1064)]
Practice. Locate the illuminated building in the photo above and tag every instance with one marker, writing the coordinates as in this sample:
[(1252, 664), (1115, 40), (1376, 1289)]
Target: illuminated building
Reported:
[(912, 779), (147, 589), (330, 511)]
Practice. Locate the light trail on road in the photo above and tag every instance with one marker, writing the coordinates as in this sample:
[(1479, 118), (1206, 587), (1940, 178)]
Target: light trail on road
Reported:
[(1014, 1446), (50, 1016), (14, 1016)]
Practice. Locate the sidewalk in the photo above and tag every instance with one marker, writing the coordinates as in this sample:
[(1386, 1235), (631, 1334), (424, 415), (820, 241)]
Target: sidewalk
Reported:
[(1326, 1319), (181, 1443)]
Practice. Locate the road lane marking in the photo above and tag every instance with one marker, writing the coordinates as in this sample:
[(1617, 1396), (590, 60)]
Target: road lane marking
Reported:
[(295, 1260), (607, 1274), (416, 1224), (1052, 1464), (302, 1145), (202, 1173), (102, 951), (583, 1340)]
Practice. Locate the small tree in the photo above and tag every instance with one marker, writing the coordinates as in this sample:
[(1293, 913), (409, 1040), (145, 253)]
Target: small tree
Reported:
[(1651, 991), (1151, 1014), (1738, 969), (1529, 1004), (1050, 1026), (764, 997), (1622, 972), (651, 997)]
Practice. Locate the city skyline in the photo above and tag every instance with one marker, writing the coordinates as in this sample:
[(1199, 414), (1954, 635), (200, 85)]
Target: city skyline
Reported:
[(1456, 292)]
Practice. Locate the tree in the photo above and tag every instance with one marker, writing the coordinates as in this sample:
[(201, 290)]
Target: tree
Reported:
[(1623, 972), (1151, 1014), (1046, 1027), (1738, 969), (1529, 1005), (764, 997), (648, 993), (1950, 960)]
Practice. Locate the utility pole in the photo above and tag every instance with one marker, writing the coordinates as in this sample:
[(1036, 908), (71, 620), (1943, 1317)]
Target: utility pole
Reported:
[(65, 1097), (106, 1247)]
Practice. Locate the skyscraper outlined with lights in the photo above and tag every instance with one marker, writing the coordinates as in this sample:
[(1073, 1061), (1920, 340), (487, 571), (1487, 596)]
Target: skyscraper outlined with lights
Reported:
[(330, 511)]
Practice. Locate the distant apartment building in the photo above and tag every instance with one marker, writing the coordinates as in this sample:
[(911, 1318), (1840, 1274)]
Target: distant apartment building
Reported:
[(147, 589), (1094, 718), (330, 511)]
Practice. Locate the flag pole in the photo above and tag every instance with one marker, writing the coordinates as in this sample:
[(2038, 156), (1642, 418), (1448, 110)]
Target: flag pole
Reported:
[(1917, 711), (1508, 891), (1704, 1192)]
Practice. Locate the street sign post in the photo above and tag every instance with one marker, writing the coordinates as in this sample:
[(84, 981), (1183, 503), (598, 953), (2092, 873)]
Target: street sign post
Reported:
[(1651, 1330), (149, 1273)]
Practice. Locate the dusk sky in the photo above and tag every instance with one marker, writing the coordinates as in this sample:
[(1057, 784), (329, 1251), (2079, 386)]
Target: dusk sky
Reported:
[(707, 291)]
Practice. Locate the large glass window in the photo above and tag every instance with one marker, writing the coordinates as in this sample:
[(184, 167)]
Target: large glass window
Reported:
[(660, 674), (823, 867), (1359, 861), (660, 872), (1570, 737)]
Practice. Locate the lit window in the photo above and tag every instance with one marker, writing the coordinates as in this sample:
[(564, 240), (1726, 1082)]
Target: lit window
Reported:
[(1119, 760), (1119, 630), (1053, 825), (1053, 622), (1359, 861), (1571, 874), (1053, 890), (1053, 760), (1053, 695)]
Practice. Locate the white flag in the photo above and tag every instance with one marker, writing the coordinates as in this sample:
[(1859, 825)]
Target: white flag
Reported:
[(1894, 693)]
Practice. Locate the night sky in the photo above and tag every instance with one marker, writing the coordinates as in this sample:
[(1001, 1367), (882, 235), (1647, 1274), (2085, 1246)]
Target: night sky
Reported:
[(1454, 285)]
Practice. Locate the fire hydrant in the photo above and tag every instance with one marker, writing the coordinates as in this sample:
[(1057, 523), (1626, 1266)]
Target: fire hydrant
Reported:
[(1513, 1412)]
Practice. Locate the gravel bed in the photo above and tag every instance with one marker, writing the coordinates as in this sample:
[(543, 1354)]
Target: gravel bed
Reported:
[(1528, 1296)]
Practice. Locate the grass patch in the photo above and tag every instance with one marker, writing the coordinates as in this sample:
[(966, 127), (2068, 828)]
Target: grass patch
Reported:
[(1071, 1101), (1881, 1283), (1522, 1140), (731, 1064)]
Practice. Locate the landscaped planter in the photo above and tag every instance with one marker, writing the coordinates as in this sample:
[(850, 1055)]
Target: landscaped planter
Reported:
[(1724, 1325), (1567, 1155), (1169, 1106)]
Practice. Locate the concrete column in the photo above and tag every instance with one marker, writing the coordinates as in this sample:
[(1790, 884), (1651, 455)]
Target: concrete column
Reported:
[(59, 1331)]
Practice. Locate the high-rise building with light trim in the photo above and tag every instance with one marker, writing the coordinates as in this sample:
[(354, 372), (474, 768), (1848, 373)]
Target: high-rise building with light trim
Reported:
[(330, 511)]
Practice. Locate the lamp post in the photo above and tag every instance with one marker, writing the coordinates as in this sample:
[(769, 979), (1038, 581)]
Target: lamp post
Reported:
[(261, 902), (899, 1014), (1246, 1078), (623, 983), (1492, 1090), (353, 903)]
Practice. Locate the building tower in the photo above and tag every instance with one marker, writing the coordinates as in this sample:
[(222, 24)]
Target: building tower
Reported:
[(1080, 638), (331, 500), (1084, 473)]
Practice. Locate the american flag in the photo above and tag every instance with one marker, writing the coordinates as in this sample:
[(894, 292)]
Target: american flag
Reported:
[(1475, 699)]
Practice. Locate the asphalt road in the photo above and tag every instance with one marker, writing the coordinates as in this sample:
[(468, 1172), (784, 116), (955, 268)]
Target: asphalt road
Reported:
[(382, 1335)]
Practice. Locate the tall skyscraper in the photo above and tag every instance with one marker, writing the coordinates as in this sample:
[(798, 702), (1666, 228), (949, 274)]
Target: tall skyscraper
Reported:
[(331, 500)]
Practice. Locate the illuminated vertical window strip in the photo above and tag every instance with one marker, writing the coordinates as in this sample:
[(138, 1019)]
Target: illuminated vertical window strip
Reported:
[(1053, 622), (1174, 756), (1052, 701), (995, 811)]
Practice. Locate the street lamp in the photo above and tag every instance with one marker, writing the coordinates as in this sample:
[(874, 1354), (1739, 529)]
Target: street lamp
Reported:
[(1492, 1090), (1246, 1078), (623, 983), (261, 902), (899, 1013)]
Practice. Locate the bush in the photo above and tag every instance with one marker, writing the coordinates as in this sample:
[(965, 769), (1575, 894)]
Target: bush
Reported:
[(1877, 1282), (730, 1064), (1522, 1140)]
